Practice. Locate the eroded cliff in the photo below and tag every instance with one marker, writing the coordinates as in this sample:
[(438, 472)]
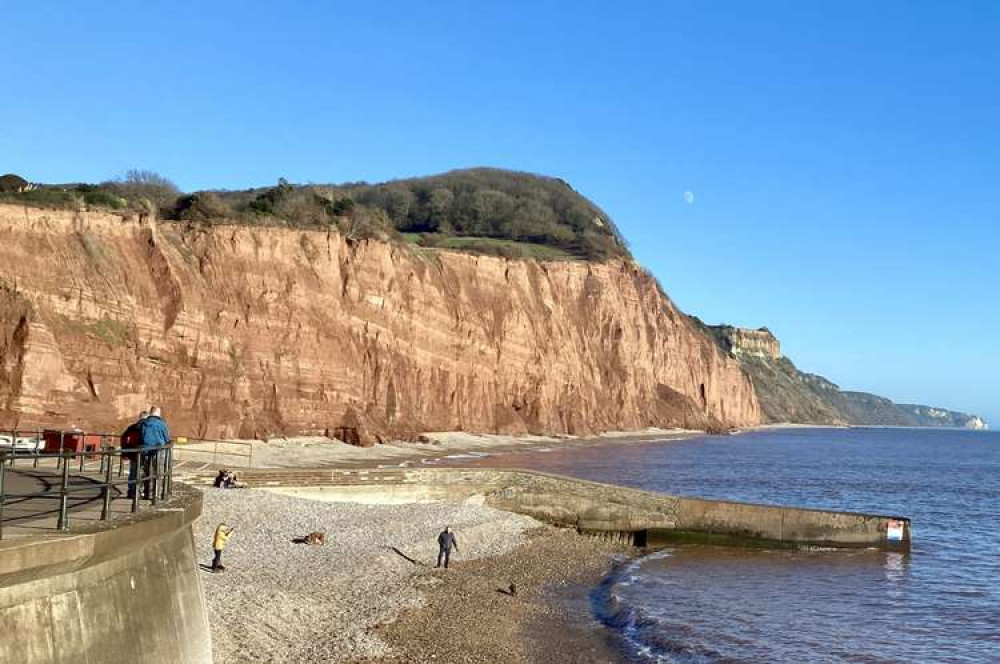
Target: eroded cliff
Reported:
[(787, 394), (249, 331)]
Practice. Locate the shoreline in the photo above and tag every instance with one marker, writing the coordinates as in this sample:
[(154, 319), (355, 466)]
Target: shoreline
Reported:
[(468, 616), (435, 447), (321, 452)]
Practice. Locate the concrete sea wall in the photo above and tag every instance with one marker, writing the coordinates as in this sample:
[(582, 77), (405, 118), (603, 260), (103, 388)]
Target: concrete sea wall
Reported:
[(126, 593), (649, 518)]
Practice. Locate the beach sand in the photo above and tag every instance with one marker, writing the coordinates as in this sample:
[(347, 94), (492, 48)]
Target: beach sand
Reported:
[(356, 599), (319, 452)]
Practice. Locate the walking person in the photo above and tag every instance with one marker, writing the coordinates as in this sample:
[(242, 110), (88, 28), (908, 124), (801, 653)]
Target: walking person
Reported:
[(155, 435), (222, 533), (131, 440), (446, 540)]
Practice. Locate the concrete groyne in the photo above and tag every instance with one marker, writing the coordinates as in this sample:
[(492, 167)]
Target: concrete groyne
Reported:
[(119, 592), (643, 517)]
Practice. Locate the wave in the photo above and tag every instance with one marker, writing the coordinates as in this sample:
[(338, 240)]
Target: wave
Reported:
[(647, 638)]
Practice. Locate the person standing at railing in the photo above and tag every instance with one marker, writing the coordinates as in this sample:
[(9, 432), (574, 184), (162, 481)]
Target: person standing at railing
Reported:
[(155, 435), (131, 439)]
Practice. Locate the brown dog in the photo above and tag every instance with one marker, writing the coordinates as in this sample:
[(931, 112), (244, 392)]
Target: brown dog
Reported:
[(315, 538)]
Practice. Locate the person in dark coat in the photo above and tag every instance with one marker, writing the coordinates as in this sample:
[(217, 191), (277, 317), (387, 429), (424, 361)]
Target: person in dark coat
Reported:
[(155, 434), (131, 439), (446, 541)]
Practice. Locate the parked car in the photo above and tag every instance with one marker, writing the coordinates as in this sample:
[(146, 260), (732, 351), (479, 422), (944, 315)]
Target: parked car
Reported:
[(20, 444)]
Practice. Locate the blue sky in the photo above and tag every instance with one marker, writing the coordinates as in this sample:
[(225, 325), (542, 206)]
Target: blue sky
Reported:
[(843, 156)]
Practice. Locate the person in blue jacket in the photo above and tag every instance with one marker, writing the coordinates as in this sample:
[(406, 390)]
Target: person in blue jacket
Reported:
[(154, 434)]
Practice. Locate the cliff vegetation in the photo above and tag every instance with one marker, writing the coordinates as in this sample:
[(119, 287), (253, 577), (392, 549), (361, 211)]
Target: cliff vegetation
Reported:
[(479, 210)]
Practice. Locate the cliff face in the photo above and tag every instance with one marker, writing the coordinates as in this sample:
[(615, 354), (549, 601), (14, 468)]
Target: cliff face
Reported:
[(246, 331), (787, 394), (742, 342)]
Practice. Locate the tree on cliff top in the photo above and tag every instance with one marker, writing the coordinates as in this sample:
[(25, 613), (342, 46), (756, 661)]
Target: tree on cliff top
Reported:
[(12, 183), (138, 184), (481, 210), (498, 204)]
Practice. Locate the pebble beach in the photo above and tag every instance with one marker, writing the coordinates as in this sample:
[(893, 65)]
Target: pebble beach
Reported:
[(371, 593)]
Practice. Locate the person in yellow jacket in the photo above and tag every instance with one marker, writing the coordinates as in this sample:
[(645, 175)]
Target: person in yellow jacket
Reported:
[(222, 533)]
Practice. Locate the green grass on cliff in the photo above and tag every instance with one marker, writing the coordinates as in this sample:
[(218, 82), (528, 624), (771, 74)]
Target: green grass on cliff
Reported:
[(489, 246), (54, 198), (112, 332)]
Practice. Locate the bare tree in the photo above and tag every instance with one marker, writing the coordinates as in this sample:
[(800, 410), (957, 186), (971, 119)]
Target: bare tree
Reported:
[(140, 183)]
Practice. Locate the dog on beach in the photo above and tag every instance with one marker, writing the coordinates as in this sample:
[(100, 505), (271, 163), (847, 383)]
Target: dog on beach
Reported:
[(315, 538)]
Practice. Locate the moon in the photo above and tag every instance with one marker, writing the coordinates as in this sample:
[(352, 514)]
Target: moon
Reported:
[(689, 197)]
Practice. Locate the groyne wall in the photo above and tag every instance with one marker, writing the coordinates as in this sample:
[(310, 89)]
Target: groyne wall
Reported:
[(122, 593), (650, 518)]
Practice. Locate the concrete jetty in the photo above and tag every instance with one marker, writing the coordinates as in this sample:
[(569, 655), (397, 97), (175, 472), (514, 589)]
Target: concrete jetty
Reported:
[(645, 518)]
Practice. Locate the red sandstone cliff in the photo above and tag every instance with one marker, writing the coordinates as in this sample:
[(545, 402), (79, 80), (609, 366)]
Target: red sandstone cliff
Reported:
[(243, 331)]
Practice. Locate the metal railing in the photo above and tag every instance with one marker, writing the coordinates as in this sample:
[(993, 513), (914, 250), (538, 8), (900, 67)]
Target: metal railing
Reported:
[(153, 474), (33, 444)]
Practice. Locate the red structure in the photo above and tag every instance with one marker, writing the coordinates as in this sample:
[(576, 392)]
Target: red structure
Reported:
[(75, 440)]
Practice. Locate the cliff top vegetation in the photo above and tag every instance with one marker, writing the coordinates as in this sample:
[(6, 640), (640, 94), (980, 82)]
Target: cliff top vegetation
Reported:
[(478, 210)]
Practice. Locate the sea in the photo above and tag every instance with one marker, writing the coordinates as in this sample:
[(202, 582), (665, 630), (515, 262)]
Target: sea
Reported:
[(693, 604)]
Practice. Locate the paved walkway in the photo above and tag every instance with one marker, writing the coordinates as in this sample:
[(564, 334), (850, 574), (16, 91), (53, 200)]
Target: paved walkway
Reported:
[(26, 512)]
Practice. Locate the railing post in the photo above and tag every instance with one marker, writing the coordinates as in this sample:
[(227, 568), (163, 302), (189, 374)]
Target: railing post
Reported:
[(170, 470), (63, 524), (164, 471), (154, 489), (136, 458), (106, 508), (3, 472)]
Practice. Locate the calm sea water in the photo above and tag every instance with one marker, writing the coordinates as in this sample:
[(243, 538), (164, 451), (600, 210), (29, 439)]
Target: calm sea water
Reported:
[(693, 604)]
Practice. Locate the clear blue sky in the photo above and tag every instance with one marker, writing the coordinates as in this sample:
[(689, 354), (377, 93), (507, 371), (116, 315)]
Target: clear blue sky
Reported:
[(844, 157)]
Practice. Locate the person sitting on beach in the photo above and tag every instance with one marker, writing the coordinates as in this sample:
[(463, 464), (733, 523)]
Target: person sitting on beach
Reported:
[(225, 480), (446, 540)]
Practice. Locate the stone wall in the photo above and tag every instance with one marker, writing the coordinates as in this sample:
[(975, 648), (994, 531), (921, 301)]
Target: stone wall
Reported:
[(126, 593)]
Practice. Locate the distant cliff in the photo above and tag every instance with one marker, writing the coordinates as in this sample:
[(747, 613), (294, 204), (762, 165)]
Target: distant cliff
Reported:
[(789, 395), (254, 330)]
